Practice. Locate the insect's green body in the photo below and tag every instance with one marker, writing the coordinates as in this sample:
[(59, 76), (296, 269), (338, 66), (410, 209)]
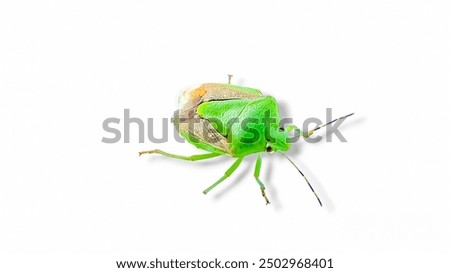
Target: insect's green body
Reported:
[(258, 135), (237, 121), (243, 123)]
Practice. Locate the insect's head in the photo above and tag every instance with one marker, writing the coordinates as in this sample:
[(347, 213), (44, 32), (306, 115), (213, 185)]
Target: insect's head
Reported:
[(277, 140)]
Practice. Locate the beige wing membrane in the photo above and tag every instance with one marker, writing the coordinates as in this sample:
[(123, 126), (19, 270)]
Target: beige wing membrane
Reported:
[(202, 131), (192, 97)]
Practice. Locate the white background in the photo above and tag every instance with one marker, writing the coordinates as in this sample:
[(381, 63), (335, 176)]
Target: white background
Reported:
[(70, 203)]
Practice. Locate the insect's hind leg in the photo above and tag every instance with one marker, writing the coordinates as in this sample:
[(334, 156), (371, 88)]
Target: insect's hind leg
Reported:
[(256, 174), (182, 157), (227, 174)]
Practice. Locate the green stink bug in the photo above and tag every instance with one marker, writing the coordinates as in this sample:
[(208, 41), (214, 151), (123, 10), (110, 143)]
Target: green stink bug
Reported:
[(215, 117)]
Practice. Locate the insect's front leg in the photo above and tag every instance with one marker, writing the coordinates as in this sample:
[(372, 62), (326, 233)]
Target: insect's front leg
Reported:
[(182, 157), (256, 174)]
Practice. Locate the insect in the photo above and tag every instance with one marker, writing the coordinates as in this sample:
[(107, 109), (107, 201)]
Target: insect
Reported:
[(236, 121)]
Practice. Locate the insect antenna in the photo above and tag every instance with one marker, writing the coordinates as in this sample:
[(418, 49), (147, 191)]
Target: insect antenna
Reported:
[(306, 179), (309, 133)]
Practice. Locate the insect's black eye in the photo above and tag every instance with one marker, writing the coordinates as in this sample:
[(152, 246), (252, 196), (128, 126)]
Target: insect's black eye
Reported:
[(269, 149), (281, 129)]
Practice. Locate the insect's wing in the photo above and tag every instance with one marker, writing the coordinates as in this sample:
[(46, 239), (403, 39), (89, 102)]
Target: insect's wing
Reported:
[(198, 131), (192, 97), (230, 117), (222, 114)]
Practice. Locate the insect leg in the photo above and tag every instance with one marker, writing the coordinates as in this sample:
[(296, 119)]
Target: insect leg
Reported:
[(182, 157), (226, 175), (261, 185)]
